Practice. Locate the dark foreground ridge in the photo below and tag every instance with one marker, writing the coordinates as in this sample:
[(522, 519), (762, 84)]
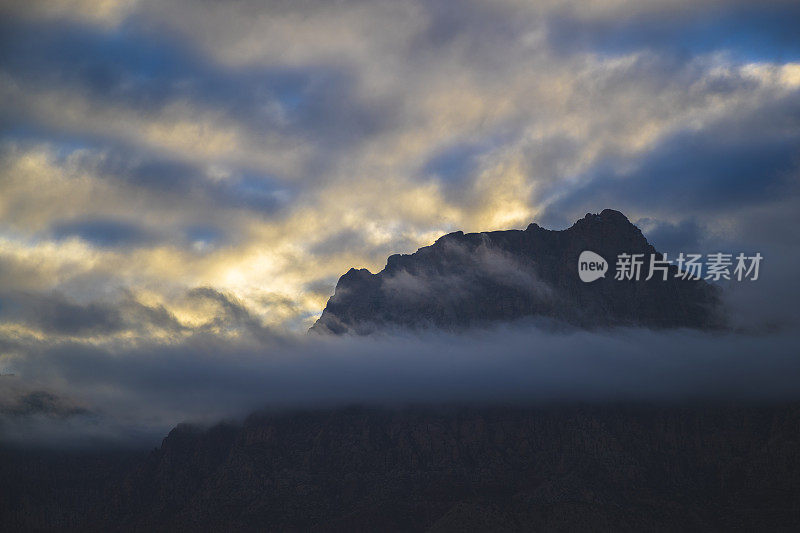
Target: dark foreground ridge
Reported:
[(556, 468), (464, 280)]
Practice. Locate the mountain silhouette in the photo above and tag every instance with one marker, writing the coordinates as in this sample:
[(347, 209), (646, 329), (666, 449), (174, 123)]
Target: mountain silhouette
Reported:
[(463, 280)]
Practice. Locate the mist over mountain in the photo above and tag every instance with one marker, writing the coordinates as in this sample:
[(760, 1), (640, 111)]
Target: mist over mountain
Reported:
[(485, 425), (469, 279)]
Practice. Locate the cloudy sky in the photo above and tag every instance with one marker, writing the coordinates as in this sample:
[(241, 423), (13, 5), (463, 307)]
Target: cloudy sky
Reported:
[(174, 170)]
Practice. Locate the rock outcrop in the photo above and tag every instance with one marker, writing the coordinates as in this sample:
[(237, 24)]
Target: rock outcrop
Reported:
[(467, 279)]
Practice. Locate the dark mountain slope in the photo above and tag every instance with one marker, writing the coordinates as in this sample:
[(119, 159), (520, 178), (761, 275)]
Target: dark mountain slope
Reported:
[(466, 279), (573, 468)]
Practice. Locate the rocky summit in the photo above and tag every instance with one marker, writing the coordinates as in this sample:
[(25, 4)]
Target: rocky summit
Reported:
[(463, 280)]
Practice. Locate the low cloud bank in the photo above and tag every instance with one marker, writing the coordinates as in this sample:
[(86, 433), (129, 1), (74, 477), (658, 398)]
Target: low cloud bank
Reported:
[(79, 394)]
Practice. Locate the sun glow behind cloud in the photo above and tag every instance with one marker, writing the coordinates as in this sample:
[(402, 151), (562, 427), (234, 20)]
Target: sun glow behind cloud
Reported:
[(151, 150)]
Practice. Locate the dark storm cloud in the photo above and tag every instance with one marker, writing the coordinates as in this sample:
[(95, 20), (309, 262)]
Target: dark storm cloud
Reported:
[(145, 70), (103, 232), (260, 192), (55, 314), (243, 189), (455, 163), (750, 30), (481, 29), (185, 184), (670, 237), (153, 387), (104, 64), (111, 158), (735, 162), (31, 403), (153, 172), (257, 192)]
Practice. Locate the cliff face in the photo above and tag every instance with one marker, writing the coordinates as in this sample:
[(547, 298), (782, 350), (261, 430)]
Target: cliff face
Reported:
[(575, 468), (466, 279)]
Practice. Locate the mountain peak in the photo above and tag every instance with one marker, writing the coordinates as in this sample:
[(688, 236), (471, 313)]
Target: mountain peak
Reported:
[(462, 280), (611, 215), (607, 217)]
